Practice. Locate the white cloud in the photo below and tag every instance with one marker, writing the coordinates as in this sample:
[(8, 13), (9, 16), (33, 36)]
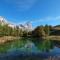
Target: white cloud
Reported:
[(57, 18), (46, 19), (22, 4)]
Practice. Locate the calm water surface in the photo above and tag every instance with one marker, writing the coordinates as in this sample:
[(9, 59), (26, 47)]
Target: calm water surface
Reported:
[(30, 49)]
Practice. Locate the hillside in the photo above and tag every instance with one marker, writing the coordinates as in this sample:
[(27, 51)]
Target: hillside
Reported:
[(56, 30)]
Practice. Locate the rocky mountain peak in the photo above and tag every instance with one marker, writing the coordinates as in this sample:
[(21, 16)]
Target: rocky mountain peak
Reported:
[(3, 21), (27, 26)]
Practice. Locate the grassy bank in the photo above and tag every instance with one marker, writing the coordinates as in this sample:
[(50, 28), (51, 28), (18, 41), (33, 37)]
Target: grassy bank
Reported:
[(57, 38)]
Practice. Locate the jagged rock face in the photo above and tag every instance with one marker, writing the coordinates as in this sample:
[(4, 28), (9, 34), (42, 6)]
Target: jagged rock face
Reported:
[(27, 26), (11, 25), (3, 21)]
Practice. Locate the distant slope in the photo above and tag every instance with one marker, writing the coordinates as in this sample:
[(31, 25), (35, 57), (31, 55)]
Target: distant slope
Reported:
[(56, 30)]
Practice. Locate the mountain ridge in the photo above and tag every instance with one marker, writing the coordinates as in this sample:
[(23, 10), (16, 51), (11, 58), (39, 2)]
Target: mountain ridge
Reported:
[(26, 26)]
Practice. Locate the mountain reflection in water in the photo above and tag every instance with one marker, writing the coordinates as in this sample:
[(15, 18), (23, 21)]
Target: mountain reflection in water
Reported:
[(29, 52)]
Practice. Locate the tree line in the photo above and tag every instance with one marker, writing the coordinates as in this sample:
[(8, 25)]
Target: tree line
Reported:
[(39, 31)]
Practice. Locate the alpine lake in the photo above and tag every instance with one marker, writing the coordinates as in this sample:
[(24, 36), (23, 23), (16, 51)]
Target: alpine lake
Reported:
[(30, 49)]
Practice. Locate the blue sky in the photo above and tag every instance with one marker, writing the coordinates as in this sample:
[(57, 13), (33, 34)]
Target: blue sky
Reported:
[(38, 12)]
